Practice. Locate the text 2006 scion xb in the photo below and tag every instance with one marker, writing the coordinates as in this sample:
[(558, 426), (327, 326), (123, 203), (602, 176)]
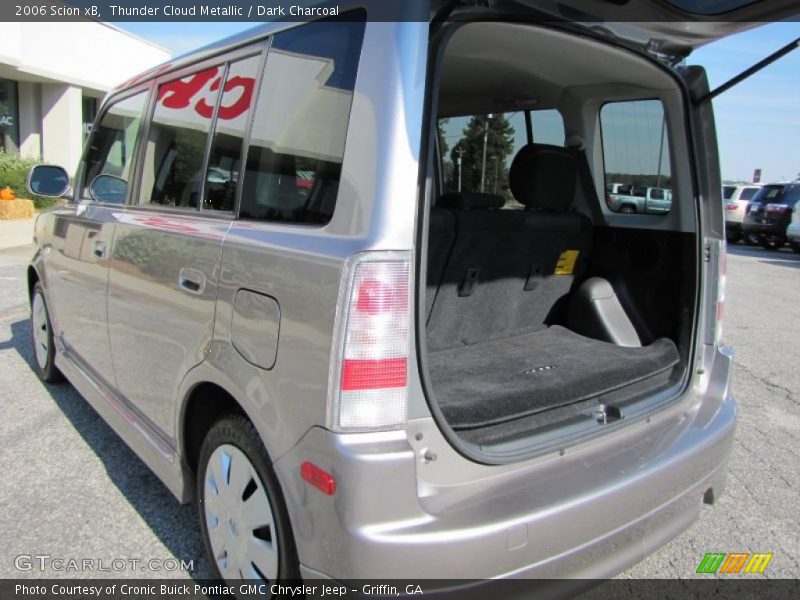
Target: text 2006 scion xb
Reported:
[(353, 287)]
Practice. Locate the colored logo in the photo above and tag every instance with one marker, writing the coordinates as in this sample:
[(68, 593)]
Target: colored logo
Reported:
[(734, 562)]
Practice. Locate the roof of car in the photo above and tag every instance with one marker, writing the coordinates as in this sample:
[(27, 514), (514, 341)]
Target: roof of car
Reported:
[(379, 8)]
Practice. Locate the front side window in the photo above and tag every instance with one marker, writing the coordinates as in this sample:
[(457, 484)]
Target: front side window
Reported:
[(112, 146), (297, 138), (636, 152), (173, 167)]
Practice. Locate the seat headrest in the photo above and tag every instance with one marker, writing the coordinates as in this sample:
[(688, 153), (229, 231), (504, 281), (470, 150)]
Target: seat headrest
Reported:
[(543, 177), (467, 200)]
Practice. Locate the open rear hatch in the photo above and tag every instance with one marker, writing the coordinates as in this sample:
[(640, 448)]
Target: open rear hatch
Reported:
[(670, 29)]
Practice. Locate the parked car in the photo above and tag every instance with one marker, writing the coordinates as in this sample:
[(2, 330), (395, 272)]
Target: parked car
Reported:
[(769, 213), (793, 230), (619, 188), (736, 196), (641, 199), (358, 375)]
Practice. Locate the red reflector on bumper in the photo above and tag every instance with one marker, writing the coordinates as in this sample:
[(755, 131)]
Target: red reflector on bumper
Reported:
[(322, 480)]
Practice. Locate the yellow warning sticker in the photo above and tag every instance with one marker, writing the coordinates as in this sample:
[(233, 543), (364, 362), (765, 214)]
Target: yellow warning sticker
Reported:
[(566, 262)]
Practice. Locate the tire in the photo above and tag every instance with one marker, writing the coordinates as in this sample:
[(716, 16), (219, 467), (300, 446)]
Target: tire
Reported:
[(770, 242), (732, 236), (795, 247), (44, 349), (627, 209), (751, 239), (229, 538)]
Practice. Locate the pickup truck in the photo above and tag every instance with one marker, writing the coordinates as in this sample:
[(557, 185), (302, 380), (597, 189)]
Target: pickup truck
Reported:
[(643, 200)]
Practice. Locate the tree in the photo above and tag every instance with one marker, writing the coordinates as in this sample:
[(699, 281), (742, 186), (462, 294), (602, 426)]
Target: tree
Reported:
[(443, 145), (492, 172), (447, 165)]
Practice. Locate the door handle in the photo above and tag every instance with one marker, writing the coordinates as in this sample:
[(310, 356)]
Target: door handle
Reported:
[(99, 249), (192, 281)]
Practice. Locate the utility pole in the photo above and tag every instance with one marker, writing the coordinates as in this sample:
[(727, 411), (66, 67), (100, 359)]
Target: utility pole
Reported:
[(485, 142), (459, 152)]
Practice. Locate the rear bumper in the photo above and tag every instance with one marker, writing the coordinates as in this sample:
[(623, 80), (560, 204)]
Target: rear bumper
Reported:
[(588, 513), (776, 229), (733, 226)]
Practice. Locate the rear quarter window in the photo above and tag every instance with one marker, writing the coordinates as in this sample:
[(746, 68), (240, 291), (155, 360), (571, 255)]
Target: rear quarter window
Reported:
[(297, 139), (635, 140)]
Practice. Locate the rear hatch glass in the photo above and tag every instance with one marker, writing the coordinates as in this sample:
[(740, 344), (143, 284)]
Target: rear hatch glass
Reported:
[(775, 201)]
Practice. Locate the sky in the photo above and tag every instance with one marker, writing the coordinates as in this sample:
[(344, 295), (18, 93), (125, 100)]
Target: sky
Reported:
[(758, 121)]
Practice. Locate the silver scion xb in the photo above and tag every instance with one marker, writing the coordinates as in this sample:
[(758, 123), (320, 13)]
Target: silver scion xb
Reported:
[(352, 286)]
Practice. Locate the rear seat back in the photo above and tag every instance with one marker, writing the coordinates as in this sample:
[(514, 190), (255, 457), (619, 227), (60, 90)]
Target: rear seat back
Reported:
[(441, 235), (507, 269)]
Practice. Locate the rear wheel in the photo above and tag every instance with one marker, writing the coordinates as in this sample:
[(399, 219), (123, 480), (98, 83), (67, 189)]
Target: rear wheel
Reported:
[(772, 242), (44, 350), (751, 239), (732, 236), (243, 517), (795, 246), (628, 209)]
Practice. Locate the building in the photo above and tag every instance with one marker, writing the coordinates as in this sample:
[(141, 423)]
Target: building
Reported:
[(53, 77)]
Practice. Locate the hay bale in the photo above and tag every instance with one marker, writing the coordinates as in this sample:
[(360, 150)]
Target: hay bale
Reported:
[(19, 208)]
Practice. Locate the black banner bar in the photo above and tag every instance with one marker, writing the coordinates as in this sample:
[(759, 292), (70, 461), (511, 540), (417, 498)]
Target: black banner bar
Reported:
[(380, 10), (735, 587)]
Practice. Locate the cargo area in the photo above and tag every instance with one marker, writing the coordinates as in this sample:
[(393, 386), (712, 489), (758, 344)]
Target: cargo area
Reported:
[(543, 306)]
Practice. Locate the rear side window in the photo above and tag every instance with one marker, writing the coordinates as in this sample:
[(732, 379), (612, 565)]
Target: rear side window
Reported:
[(748, 193), (173, 167), (791, 194), (727, 192), (111, 148), (297, 140), (636, 151), (477, 150)]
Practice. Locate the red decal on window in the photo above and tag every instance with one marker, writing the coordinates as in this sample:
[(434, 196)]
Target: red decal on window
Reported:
[(179, 93), (231, 111)]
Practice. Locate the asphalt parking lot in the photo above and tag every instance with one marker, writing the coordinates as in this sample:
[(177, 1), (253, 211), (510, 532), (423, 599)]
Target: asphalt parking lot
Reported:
[(72, 489)]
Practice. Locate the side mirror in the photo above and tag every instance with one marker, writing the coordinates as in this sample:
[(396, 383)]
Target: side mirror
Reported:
[(48, 180), (108, 188)]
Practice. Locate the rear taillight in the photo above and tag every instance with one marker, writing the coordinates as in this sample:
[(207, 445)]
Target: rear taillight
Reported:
[(778, 208), (731, 206), (369, 372)]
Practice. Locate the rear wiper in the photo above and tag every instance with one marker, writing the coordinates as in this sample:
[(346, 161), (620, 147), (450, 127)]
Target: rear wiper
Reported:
[(748, 72)]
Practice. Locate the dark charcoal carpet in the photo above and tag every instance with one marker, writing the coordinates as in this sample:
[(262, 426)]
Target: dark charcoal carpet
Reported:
[(496, 381)]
